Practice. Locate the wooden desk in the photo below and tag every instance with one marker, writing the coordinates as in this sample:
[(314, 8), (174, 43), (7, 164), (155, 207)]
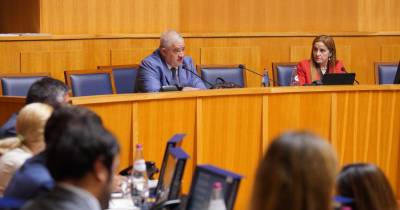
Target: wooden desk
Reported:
[(232, 128)]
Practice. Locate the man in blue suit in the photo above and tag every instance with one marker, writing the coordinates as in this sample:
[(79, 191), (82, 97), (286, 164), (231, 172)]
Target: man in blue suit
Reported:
[(168, 66)]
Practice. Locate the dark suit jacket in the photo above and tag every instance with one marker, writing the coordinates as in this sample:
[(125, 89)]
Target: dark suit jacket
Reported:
[(61, 198), (304, 71), (154, 73), (8, 129), (31, 180)]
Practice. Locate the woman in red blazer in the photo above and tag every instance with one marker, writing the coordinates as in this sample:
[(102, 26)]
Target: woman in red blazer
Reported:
[(323, 60)]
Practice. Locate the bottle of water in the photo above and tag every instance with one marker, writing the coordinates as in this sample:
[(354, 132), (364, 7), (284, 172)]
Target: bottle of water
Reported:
[(139, 181), (294, 80), (217, 201), (265, 79)]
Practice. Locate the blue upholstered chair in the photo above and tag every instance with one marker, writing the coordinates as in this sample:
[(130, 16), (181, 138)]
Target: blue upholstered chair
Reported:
[(90, 82), (385, 72), (229, 73), (124, 77), (19, 84), (283, 73)]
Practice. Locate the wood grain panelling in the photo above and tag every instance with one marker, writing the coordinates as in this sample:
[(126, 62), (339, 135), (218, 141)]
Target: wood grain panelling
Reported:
[(298, 53), (375, 15), (9, 58), (230, 137), (54, 62), (19, 16), (268, 15), (390, 53), (198, 16), (249, 56), (112, 114), (367, 130), (301, 111), (158, 121), (105, 16), (129, 56)]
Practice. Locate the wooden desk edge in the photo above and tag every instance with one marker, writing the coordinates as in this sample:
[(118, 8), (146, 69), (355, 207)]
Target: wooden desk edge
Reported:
[(225, 92)]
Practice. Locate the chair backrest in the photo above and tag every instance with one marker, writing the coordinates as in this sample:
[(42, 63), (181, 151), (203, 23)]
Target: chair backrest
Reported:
[(230, 73), (18, 84), (90, 82), (283, 73), (385, 72), (124, 77)]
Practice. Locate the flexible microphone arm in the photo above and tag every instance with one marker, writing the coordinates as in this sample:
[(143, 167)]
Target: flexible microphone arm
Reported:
[(244, 67), (254, 72), (205, 81)]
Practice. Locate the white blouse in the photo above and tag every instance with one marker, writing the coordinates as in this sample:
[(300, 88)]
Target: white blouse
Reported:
[(10, 162)]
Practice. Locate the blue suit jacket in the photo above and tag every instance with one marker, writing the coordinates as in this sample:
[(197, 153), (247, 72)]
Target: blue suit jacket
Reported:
[(8, 129), (154, 73), (31, 180)]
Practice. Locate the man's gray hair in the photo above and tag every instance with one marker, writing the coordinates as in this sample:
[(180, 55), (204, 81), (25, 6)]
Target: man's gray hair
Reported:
[(170, 37)]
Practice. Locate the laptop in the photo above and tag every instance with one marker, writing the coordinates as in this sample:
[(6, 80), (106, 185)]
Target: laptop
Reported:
[(338, 79)]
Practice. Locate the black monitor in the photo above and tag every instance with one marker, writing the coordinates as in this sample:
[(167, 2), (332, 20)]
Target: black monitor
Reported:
[(397, 77), (174, 141), (202, 185), (173, 173)]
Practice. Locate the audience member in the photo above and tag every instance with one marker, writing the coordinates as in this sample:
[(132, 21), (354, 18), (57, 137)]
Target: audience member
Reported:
[(82, 158), (297, 172), (33, 178), (323, 61), (29, 141), (46, 90), (368, 186), (168, 66)]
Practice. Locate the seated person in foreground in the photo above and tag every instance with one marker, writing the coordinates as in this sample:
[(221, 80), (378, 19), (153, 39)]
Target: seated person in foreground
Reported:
[(168, 66), (368, 186), (29, 141), (323, 61), (82, 159), (47, 90), (297, 172), (33, 178)]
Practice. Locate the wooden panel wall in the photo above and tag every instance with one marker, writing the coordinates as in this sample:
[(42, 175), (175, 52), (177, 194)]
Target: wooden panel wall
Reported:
[(200, 16), (106, 17), (357, 52), (20, 16)]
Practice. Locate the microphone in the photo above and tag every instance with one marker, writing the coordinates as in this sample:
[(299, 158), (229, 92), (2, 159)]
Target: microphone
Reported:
[(205, 81), (265, 77), (344, 70)]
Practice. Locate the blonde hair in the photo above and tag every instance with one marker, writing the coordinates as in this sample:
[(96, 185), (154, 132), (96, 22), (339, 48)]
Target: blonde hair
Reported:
[(29, 127)]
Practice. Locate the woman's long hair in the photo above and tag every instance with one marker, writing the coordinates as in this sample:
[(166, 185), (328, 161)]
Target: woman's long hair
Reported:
[(29, 127), (297, 173), (368, 186)]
